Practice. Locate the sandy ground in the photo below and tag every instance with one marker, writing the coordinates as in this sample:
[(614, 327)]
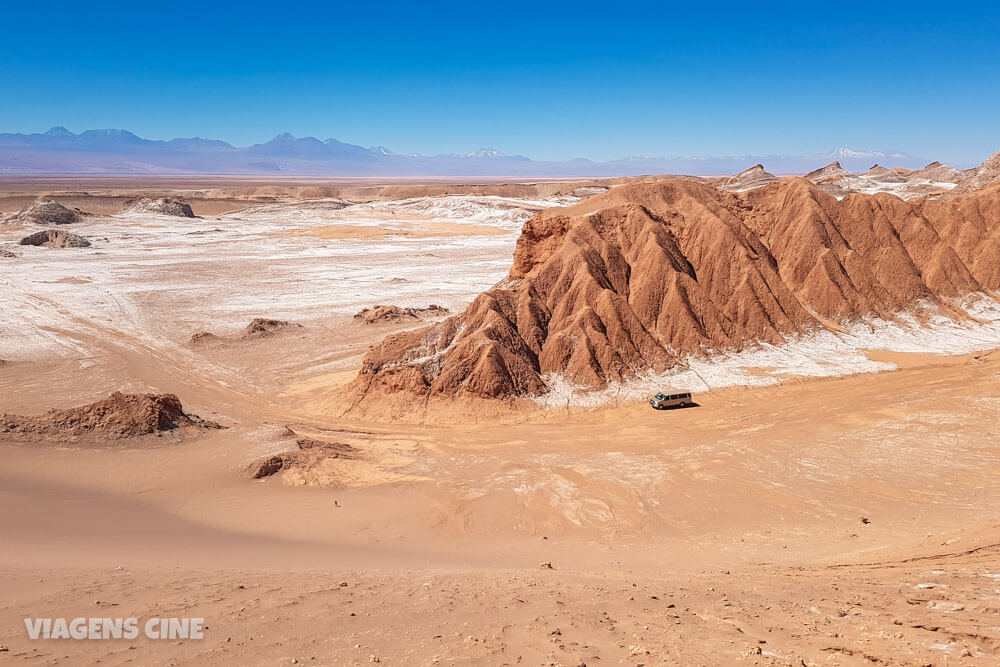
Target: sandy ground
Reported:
[(837, 520)]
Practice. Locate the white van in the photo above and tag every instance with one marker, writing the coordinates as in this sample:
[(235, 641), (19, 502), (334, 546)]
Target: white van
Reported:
[(678, 399)]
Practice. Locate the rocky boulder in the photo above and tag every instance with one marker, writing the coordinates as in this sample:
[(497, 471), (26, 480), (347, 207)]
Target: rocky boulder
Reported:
[(161, 206), (55, 238)]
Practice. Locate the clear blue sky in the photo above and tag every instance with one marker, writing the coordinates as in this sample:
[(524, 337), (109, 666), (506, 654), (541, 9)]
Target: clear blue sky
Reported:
[(550, 81)]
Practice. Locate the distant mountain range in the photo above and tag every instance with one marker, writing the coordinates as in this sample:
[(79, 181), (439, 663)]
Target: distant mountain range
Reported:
[(122, 152)]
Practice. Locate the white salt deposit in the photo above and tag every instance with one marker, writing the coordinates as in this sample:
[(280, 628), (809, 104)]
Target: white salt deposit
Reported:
[(158, 278)]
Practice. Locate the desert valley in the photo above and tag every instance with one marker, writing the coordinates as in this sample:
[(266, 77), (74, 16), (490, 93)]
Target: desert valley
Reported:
[(405, 421)]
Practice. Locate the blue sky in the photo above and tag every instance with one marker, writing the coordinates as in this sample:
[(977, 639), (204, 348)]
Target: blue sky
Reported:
[(551, 81)]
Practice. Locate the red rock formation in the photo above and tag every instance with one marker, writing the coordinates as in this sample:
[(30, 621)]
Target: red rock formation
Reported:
[(635, 278), (117, 416)]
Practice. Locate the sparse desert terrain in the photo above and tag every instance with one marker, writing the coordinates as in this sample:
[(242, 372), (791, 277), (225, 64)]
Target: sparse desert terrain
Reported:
[(362, 422)]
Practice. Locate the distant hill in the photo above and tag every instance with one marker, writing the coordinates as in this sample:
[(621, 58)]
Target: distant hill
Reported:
[(121, 151)]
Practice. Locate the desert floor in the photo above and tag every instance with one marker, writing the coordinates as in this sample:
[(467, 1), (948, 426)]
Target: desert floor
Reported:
[(820, 520)]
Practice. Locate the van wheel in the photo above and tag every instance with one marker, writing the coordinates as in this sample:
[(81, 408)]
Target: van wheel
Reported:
[(682, 404)]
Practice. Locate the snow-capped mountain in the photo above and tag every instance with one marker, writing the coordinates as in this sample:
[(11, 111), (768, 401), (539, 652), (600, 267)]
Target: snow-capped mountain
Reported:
[(844, 153), (486, 153)]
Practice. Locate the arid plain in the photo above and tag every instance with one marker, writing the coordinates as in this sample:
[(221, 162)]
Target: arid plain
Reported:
[(829, 500)]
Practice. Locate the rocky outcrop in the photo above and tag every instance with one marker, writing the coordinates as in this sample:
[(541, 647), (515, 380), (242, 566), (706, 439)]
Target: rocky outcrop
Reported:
[(308, 453), (161, 206), (830, 172), (640, 277), (936, 172), (118, 416), (259, 327), (835, 180), (55, 238), (934, 180), (748, 179), (47, 211), (201, 337), (985, 174), (262, 326), (380, 314), (884, 175)]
